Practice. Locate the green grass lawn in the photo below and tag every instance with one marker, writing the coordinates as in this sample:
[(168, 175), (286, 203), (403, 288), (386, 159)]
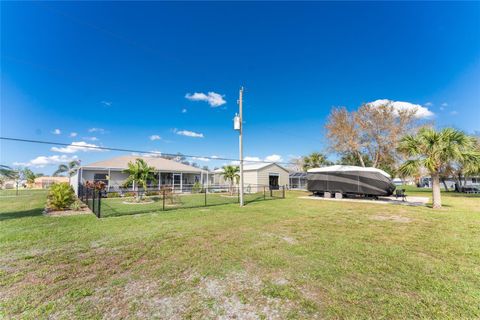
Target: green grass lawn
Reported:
[(114, 207), (285, 258)]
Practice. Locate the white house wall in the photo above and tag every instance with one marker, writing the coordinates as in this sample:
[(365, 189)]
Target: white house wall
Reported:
[(250, 181), (263, 175)]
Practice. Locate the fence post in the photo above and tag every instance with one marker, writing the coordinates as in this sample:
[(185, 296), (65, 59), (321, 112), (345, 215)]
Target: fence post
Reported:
[(205, 197), (164, 199), (264, 195), (93, 201), (271, 192), (283, 192), (99, 207)]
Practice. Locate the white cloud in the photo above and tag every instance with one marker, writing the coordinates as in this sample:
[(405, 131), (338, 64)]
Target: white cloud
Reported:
[(73, 134), (212, 98), (215, 157), (200, 159), (150, 154), (184, 110), (153, 154), (250, 159), (453, 113), (273, 158), (42, 161), (77, 146), (91, 138), (99, 130), (422, 112), (57, 131), (444, 104), (106, 103), (188, 133), (155, 137), (428, 104)]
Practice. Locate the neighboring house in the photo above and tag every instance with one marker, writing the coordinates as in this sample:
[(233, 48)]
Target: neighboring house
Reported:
[(298, 180), (46, 182), (179, 176), (399, 181), (12, 184), (426, 182), (258, 175)]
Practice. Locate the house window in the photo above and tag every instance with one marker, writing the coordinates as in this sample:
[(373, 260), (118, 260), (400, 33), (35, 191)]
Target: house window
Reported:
[(475, 180)]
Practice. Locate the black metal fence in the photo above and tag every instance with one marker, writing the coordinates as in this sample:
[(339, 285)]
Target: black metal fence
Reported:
[(118, 202), (92, 198)]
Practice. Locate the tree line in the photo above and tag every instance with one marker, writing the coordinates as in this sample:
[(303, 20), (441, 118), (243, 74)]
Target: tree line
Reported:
[(398, 142)]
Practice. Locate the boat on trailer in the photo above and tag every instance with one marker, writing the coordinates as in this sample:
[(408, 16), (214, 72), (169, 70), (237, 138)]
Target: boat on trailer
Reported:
[(350, 180)]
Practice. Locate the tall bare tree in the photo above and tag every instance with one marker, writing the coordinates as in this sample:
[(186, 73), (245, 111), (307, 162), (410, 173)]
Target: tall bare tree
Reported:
[(343, 133), (372, 131)]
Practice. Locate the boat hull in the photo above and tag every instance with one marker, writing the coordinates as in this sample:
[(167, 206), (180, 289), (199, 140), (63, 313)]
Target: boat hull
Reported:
[(350, 182)]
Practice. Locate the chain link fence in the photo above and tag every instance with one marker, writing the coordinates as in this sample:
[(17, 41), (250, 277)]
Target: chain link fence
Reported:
[(125, 201)]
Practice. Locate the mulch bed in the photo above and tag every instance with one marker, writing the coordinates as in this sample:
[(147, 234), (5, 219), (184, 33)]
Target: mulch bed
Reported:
[(62, 213)]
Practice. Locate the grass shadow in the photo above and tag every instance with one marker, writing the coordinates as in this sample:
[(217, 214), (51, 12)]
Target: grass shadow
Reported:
[(20, 214)]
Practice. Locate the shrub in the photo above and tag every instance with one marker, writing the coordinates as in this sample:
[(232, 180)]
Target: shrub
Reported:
[(129, 194), (60, 196), (97, 185), (152, 193), (113, 195), (76, 205), (197, 187)]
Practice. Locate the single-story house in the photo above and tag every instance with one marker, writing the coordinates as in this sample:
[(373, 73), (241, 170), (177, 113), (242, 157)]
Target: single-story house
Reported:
[(256, 176), (179, 176), (426, 182), (45, 182), (13, 184)]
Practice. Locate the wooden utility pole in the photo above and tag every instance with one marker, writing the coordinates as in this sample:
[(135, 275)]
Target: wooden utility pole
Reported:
[(240, 143)]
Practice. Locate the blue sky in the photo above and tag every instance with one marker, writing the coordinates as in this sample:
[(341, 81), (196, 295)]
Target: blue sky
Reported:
[(131, 72)]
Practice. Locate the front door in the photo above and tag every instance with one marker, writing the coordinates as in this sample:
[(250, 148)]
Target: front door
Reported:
[(177, 182)]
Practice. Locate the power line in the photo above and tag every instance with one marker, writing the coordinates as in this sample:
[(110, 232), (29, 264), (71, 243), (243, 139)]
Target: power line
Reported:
[(88, 147)]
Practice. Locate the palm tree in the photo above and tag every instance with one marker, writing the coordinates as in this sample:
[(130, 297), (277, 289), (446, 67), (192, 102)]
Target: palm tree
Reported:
[(433, 150), (30, 176), (230, 173), (7, 172), (139, 172), (69, 168), (315, 160)]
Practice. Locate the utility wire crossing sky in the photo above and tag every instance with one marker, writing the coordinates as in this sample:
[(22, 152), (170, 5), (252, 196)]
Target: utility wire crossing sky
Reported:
[(164, 76)]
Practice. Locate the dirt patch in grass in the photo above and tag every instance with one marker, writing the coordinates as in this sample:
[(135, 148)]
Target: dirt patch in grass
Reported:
[(287, 239), (393, 218), (230, 297), (62, 213), (138, 202)]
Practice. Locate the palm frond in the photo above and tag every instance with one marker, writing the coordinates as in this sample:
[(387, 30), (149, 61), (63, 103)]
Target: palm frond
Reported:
[(410, 168)]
